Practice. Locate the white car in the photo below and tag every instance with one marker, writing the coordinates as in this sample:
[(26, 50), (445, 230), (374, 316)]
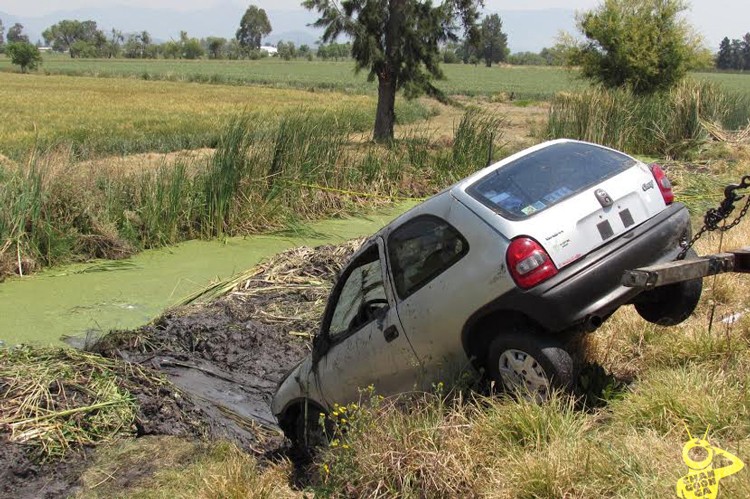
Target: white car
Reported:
[(493, 274)]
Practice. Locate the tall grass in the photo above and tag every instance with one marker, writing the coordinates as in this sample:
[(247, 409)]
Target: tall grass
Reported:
[(260, 177), (664, 124), (21, 225)]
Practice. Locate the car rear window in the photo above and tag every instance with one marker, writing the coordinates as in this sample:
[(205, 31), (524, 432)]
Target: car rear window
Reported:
[(538, 180)]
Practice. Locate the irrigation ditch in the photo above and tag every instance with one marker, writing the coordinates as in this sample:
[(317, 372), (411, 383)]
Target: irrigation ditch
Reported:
[(204, 371)]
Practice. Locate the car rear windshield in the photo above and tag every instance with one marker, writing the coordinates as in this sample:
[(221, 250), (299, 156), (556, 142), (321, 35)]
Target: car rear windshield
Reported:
[(540, 179)]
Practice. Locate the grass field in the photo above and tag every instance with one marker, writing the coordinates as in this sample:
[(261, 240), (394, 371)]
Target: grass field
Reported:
[(123, 116)]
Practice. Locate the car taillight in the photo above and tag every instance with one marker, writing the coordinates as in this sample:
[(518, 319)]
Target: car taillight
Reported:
[(665, 186), (529, 264)]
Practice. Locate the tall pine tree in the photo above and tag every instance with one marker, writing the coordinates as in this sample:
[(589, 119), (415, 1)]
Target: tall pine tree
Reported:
[(746, 51), (724, 57), (494, 43)]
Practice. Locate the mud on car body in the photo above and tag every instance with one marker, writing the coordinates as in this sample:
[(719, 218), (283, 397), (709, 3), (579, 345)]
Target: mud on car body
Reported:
[(493, 274)]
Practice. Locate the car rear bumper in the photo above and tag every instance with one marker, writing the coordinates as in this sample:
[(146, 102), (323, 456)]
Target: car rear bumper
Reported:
[(590, 289)]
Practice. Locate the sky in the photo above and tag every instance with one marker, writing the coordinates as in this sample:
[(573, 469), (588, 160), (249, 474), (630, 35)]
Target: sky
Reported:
[(713, 18)]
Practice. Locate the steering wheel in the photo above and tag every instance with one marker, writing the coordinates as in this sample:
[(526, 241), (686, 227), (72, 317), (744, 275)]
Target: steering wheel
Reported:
[(367, 312)]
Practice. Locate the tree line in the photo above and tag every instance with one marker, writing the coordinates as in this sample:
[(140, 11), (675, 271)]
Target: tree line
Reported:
[(84, 39), (734, 54)]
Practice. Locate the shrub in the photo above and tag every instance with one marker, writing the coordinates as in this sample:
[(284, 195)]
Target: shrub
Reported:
[(24, 54), (637, 44)]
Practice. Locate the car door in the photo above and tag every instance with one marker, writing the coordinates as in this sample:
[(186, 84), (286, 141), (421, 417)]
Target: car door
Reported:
[(433, 287), (367, 345)]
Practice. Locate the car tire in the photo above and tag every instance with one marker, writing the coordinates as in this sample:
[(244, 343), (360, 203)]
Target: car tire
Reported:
[(307, 433), (672, 304), (533, 365)]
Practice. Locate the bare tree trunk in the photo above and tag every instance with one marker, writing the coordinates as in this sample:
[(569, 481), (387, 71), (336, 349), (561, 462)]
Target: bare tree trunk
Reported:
[(385, 116)]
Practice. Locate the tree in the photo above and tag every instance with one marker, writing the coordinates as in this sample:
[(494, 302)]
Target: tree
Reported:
[(2, 37), (450, 53), (24, 54), (286, 50), (114, 43), (79, 38), (527, 59), (746, 51), (557, 55), (215, 46), (724, 57), (139, 46), (171, 50), (305, 52), (468, 50), (641, 44), (233, 49), (737, 59), (494, 43), (192, 49), (335, 51), (15, 34), (396, 41), (253, 27)]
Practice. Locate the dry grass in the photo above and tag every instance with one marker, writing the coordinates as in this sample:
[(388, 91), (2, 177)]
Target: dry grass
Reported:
[(121, 116), (55, 400), (693, 377), (156, 467), (457, 445)]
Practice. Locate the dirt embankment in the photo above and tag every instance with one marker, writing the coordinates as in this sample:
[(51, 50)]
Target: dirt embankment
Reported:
[(221, 362)]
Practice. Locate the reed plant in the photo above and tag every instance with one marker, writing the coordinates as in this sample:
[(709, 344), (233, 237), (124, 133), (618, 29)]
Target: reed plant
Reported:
[(670, 124), (261, 176)]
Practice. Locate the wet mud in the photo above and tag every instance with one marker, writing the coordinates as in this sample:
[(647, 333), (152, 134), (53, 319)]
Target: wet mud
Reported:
[(222, 361)]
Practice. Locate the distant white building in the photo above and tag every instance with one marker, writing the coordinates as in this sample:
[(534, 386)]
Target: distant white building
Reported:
[(270, 49)]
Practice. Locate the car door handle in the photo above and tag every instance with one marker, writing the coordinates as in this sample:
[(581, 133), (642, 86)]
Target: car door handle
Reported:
[(390, 333)]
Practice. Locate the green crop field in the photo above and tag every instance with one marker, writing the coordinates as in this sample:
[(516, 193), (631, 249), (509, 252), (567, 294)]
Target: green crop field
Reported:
[(734, 82), (525, 82)]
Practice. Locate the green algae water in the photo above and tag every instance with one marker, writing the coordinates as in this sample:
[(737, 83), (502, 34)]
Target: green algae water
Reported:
[(73, 300)]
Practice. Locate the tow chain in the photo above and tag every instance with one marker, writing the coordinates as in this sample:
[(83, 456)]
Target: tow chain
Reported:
[(714, 216)]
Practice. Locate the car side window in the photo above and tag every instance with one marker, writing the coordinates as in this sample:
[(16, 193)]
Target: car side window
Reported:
[(422, 249), (362, 297)]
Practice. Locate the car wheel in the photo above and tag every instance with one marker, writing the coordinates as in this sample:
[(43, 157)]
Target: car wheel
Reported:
[(308, 433), (670, 305), (531, 365)]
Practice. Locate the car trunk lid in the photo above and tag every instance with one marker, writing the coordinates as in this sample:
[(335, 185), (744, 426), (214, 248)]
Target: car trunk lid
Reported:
[(598, 194)]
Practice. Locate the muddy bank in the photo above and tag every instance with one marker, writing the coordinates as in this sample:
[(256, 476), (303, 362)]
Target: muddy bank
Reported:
[(208, 370), (56, 405), (229, 354)]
